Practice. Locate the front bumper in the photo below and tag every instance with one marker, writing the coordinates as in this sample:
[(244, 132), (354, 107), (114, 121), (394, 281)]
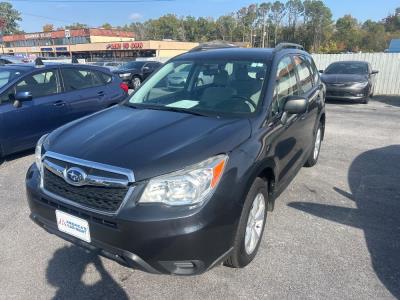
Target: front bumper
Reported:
[(346, 93), (156, 239)]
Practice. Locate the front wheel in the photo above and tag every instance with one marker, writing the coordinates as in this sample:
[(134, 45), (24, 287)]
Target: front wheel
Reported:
[(314, 155), (251, 226)]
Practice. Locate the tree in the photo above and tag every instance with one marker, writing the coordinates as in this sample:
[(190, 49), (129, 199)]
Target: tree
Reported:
[(263, 11), (48, 27), (348, 33), (373, 36), (226, 27), (106, 26), (77, 25), (295, 9), (317, 23), (278, 12), (9, 18)]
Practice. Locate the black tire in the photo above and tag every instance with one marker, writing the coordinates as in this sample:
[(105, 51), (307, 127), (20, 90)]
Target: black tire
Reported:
[(136, 82), (365, 100), (313, 159), (239, 258)]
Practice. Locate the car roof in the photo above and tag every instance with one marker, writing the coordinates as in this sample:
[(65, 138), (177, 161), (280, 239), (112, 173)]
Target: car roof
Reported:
[(350, 62), (229, 53), (31, 66)]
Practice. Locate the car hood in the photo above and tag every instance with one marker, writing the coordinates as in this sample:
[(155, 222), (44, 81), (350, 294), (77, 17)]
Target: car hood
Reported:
[(148, 142), (343, 78)]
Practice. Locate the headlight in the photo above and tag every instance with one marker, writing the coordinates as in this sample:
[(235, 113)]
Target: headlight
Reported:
[(360, 85), (124, 74), (189, 186), (39, 151)]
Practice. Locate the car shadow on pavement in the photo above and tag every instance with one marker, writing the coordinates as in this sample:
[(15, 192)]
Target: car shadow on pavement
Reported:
[(389, 100), (16, 156), (67, 268), (374, 180)]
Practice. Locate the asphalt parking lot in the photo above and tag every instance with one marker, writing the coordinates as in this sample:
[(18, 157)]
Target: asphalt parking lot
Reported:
[(335, 232)]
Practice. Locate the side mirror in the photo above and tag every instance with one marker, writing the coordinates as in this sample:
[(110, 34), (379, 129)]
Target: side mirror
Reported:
[(374, 72), (146, 68), (321, 71), (23, 96), (295, 105), (20, 97)]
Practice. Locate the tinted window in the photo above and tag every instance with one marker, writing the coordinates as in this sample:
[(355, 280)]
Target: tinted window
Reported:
[(8, 96), (133, 65), (347, 68), (77, 79), (39, 84), (7, 75), (305, 76), (314, 69), (286, 84), (105, 77)]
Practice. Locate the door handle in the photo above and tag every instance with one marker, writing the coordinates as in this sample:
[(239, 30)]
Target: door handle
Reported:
[(59, 103), (100, 94)]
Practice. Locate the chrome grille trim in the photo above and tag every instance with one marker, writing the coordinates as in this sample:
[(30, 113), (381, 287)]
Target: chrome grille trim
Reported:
[(92, 180)]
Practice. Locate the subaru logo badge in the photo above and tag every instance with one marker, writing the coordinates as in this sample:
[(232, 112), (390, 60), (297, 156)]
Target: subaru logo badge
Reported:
[(75, 176)]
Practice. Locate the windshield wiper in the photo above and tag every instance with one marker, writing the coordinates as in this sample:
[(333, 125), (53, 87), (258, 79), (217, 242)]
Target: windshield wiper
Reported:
[(183, 110)]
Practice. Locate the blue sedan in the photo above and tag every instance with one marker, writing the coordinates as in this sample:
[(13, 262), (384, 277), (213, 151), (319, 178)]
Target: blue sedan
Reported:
[(35, 100)]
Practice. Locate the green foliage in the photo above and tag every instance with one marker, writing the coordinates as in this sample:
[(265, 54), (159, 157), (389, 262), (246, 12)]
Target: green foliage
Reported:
[(9, 18), (77, 25)]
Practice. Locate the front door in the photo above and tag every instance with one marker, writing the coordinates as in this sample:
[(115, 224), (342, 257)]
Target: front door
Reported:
[(24, 125)]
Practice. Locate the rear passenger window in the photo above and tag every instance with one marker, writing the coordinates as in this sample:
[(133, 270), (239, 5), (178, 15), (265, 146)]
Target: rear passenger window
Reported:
[(286, 84), (77, 79), (40, 84), (105, 77), (314, 69), (305, 76)]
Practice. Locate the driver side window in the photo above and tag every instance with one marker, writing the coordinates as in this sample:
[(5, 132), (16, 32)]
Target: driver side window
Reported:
[(285, 84), (39, 84)]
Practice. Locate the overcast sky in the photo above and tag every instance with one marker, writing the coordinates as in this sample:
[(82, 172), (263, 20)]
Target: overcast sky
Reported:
[(35, 14)]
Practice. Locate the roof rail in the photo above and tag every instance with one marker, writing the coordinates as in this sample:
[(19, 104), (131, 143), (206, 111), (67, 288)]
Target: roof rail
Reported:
[(213, 45), (283, 46)]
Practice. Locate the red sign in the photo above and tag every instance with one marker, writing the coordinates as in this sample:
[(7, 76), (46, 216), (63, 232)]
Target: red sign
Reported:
[(125, 46)]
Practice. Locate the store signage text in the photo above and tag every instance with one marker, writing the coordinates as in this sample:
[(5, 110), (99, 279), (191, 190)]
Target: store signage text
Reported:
[(125, 46), (41, 35)]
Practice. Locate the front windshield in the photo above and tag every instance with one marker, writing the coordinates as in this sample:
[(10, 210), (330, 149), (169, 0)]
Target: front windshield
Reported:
[(132, 65), (7, 75), (347, 68), (208, 87)]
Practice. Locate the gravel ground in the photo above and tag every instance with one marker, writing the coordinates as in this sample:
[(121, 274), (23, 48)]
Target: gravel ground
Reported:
[(335, 232)]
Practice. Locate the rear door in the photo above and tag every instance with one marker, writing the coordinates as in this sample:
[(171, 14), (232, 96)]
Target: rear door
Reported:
[(24, 125), (84, 91)]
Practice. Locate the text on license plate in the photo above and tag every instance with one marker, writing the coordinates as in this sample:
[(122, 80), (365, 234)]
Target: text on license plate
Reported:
[(72, 225)]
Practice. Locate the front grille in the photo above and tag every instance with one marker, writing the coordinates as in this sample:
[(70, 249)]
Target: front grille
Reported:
[(107, 199)]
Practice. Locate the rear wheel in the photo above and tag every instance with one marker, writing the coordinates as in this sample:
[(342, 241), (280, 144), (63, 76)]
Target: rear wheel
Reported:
[(136, 82), (314, 155), (251, 226)]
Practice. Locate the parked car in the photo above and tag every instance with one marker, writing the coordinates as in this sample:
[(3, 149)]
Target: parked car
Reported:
[(111, 65), (135, 72), (178, 181), (350, 80), (10, 59), (35, 100)]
